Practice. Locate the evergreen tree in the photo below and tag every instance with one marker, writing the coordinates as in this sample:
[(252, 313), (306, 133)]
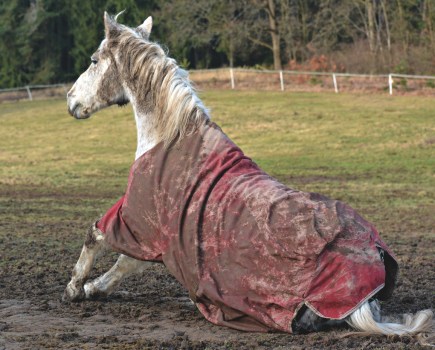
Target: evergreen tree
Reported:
[(47, 41), (12, 44)]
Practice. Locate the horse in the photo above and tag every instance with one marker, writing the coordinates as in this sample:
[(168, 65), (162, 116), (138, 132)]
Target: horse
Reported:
[(253, 254)]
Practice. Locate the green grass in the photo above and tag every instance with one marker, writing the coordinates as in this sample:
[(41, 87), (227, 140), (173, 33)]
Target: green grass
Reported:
[(375, 151)]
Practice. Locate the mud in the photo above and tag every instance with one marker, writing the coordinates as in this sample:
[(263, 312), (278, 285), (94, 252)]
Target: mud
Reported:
[(40, 243)]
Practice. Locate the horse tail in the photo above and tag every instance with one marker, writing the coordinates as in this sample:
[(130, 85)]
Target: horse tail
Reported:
[(367, 319)]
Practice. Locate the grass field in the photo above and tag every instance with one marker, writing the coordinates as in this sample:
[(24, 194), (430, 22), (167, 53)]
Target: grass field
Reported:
[(376, 153), (372, 151)]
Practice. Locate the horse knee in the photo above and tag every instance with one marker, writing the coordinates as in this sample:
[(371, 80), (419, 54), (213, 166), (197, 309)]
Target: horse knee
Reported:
[(94, 237)]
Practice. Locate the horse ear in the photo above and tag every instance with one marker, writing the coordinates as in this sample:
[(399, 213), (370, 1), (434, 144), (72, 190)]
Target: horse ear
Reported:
[(109, 25), (145, 28)]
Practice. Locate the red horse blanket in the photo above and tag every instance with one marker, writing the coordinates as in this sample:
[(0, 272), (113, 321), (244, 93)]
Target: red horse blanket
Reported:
[(249, 250)]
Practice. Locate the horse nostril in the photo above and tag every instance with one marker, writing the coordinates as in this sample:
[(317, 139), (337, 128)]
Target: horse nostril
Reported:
[(70, 93)]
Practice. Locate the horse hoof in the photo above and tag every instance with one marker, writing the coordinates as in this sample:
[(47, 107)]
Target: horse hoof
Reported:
[(73, 293), (93, 293)]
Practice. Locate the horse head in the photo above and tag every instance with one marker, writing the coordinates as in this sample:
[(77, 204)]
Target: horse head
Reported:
[(101, 85), (127, 67)]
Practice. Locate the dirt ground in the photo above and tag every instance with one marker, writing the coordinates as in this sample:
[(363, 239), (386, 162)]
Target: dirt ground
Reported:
[(152, 311)]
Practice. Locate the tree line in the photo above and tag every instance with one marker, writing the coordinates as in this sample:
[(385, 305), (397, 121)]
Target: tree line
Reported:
[(48, 41)]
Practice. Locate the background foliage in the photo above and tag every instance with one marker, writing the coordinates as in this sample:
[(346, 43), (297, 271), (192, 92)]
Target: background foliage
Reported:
[(47, 41)]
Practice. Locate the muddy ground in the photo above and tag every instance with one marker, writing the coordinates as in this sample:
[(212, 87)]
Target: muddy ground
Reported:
[(40, 242)]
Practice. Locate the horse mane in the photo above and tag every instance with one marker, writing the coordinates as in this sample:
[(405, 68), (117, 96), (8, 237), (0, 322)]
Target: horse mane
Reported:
[(159, 86)]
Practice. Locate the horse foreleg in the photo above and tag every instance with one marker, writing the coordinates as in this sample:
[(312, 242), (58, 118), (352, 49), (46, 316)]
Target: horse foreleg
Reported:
[(107, 283), (94, 246)]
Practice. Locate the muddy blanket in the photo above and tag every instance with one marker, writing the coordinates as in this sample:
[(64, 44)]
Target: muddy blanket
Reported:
[(249, 250)]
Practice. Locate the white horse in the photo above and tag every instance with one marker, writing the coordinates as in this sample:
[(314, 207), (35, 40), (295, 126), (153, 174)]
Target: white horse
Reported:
[(127, 67)]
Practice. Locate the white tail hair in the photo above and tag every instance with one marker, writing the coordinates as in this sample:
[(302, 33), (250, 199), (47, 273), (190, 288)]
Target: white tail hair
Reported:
[(363, 320)]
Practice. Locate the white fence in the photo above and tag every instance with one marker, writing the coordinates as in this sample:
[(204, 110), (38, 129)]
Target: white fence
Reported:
[(235, 78), (28, 89)]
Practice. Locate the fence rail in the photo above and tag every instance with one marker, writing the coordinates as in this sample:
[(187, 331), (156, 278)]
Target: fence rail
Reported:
[(234, 77), (389, 78), (29, 88)]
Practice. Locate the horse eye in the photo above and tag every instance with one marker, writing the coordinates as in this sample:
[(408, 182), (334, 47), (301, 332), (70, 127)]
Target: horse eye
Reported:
[(94, 61)]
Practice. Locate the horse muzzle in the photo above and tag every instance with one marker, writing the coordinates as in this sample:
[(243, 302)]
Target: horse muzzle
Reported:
[(77, 111)]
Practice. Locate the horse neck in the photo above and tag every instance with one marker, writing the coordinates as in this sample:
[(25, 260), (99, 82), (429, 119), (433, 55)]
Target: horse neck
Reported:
[(164, 103), (145, 141), (151, 120)]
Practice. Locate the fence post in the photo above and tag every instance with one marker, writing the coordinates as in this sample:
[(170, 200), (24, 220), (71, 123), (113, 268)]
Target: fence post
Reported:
[(232, 78), (334, 79), (390, 83), (281, 79), (29, 93)]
